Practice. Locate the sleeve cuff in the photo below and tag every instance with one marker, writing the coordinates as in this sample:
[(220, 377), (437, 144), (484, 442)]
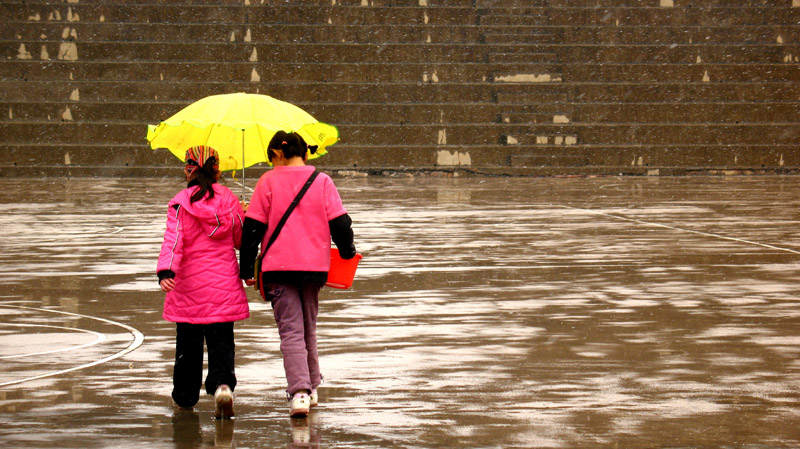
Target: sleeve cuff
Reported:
[(165, 274)]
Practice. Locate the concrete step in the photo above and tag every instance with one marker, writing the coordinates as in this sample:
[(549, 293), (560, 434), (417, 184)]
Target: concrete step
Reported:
[(138, 160), (224, 52), (259, 72), (320, 93), (654, 16), (521, 47), (678, 93), (324, 13), (523, 118), (173, 12), (515, 19), (710, 113), (708, 35), (511, 9), (530, 58), (544, 97), (609, 113), (18, 132), (675, 94), (650, 157), (703, 36), (689, 73), (552, 160), (274, 33), (435, 113), (545, 137), (533, 37), (439, 53), (676, 54), (508, 3), (656, 133), (405, 14), (633, 159), (548, 110), (710, 42), (688, 112), (336, 113)]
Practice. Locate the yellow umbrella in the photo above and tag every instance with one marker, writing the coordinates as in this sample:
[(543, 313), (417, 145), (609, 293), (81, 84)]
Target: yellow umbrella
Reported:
[(239, 126)]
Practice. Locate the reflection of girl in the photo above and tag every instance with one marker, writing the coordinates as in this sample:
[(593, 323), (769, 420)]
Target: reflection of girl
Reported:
[(296, 266), (197, 268)]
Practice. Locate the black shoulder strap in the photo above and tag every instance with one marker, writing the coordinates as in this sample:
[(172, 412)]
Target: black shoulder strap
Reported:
[(289, 210)]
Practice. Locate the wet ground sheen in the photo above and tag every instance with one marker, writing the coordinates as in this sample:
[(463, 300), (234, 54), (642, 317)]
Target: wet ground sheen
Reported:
[(487, 313)]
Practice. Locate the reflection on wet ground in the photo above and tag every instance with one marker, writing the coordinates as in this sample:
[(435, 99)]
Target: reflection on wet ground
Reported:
[(541, 313)]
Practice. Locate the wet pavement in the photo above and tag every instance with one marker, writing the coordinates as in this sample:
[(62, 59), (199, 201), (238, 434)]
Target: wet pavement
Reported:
[(487, 313)]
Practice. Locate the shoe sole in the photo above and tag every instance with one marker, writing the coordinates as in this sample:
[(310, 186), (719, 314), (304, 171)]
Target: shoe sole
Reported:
[(224, 407), (299, 413)]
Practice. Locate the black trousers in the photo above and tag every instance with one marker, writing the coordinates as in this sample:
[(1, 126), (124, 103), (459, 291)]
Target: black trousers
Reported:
[(188, 374)]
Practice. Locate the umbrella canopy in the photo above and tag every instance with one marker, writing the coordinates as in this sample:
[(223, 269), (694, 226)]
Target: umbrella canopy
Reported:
[(239, 126)]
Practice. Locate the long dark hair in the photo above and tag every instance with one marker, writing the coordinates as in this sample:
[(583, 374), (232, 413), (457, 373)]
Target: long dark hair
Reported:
[(206, 177)]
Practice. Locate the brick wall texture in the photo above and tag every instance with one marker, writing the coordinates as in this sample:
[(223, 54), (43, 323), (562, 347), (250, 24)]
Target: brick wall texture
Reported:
[(521, 87)]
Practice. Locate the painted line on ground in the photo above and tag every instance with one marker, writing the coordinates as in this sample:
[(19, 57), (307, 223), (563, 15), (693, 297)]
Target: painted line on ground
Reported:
[(675, 228), (243, 186), (99, 338), (138, 339)]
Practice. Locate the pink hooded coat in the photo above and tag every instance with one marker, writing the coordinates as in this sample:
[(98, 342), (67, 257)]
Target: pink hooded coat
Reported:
[(199, 247)]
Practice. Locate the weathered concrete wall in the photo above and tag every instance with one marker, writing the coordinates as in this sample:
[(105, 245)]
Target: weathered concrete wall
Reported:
[(496, 86)]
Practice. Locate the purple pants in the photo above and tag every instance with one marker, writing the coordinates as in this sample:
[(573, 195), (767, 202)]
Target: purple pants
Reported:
[(296, 308)]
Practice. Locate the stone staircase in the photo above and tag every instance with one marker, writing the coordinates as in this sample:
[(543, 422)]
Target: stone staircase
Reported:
[(493, 86), (532, 100)]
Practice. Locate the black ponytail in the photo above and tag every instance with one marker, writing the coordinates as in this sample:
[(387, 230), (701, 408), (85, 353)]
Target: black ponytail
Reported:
[(206, 177), (291, 144)]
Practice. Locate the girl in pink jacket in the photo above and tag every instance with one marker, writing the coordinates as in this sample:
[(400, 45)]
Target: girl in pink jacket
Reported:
[(198, 269), (295, 267)]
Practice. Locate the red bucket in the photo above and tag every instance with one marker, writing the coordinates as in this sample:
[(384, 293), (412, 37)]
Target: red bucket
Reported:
[(342, 271)]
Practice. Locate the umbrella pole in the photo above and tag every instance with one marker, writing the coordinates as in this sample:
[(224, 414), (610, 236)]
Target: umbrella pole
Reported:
[(243, 165)]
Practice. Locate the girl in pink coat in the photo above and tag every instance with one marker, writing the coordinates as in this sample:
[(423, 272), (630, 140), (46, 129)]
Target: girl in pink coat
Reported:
[(296, 266), (198, 269)]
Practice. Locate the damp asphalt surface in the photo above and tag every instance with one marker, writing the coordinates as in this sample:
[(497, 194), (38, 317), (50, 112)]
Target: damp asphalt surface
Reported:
[(487, 313)]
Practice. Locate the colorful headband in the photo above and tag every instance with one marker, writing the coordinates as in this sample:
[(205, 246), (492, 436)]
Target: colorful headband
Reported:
[(197, 156)]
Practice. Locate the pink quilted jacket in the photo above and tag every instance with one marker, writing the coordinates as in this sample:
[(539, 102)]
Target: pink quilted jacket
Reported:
[(199, 247)]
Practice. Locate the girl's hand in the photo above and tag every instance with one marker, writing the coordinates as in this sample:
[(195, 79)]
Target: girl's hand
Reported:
[(167, 285), (250, 282)]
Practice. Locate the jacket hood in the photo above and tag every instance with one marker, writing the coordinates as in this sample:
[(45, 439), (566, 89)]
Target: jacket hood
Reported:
[(216, 215)]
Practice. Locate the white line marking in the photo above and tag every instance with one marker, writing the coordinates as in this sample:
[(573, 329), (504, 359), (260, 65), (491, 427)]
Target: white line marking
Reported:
[(138, 338), (99, 338), (245, 187), (674, 228)]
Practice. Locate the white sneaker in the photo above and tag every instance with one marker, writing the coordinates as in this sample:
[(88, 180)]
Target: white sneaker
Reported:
[(299, 405), (223, 398), (314, 398)]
